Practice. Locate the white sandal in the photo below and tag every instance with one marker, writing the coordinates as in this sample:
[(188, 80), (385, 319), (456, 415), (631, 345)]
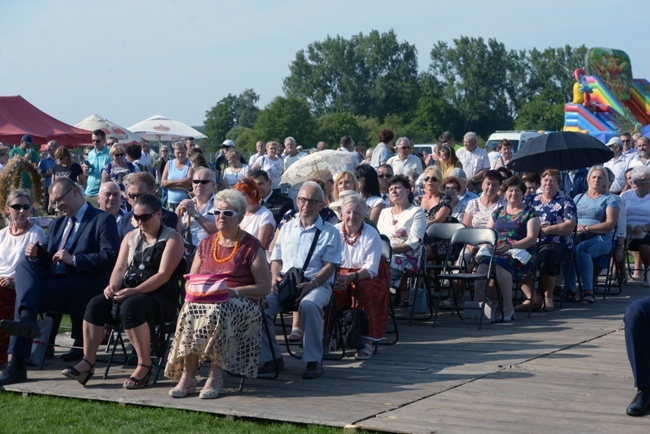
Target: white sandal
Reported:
[(365, 353), (296, 335)]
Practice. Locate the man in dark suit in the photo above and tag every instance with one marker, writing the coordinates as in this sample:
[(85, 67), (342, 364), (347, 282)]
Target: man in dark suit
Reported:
[(135, 185), (63, 275), (277, 203), (574, 182)]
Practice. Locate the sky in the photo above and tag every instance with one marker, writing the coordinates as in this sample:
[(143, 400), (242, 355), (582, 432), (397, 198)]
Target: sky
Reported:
[(127, 60)]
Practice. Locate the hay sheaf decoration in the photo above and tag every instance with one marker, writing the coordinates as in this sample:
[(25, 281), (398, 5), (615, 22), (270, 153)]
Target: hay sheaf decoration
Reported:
[(11, 179)]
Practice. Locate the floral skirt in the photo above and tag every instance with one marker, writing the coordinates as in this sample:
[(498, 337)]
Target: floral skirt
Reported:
[(403, 263), (228, 334)]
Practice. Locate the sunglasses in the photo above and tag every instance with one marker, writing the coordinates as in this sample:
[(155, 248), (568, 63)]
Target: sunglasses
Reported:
[(201, 181), (18, 207), (118, 155), (224, 212), (403, 147), (133, 196), (384, 176), (164, 151), (96, 141), (430, 178), (144, 217)]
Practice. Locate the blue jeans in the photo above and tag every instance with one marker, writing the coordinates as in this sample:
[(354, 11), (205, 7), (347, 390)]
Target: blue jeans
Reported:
[(585, 252)]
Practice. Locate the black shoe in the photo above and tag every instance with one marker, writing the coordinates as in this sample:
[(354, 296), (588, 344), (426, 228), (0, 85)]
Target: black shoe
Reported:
[(12, 374), (23, 328), (72, 355), (269, 367), (640, 405), (313, 370)]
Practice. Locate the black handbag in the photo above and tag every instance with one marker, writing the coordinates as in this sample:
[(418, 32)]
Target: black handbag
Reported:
[(288, 291), (356, 322)]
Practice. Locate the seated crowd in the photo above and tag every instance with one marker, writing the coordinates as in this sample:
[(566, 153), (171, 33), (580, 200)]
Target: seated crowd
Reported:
[(115, 255)]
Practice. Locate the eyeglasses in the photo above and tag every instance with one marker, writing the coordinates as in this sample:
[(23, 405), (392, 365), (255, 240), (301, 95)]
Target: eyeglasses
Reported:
[(403, 147), (384, 176), (164, 151), (626, 141), (18, 207), (224, 212), (430, 178), (58, 200), (118, 155), (144, 217), (133, 196), (305, 200), (201, 181), (96, 141)]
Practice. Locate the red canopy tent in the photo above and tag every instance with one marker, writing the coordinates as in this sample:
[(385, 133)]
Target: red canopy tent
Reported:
[(19, 117)]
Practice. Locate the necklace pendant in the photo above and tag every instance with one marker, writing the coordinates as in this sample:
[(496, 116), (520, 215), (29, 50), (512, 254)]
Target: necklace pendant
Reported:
[(141, 266)]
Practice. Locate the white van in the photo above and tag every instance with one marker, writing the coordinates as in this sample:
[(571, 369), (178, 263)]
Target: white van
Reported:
[(518, 138)]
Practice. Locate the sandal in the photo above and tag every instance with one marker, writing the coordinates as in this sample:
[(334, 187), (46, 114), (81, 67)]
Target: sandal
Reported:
[(81, 377), (548, 305), (296, 335), (523, 307), (138, 383), (365, 353), (587, 299)]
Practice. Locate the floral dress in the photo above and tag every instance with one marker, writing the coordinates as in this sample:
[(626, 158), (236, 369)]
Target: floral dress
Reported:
[(512, 228)]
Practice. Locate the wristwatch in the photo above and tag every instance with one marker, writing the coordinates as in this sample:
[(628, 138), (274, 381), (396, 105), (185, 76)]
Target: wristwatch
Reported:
[(237, 293), (196, 215)]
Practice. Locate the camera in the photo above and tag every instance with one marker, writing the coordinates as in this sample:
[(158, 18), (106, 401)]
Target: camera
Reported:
[(131, 279)]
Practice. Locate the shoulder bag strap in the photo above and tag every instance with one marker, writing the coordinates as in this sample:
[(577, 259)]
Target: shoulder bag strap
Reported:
[(311, 250)]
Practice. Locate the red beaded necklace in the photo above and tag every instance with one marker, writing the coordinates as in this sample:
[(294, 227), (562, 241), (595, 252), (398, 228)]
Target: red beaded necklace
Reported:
[(354, 240), (16, 234)]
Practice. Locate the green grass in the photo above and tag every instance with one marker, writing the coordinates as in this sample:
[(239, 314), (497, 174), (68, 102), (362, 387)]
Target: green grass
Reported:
[(40, 414)]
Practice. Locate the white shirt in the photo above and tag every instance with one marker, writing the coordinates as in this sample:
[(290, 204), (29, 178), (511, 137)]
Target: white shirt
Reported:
[(474, 161), (13, 247), (411, 164), (637, 161), (364, 253), (254, 158), (289, 160), (618, 168), (254, 222)]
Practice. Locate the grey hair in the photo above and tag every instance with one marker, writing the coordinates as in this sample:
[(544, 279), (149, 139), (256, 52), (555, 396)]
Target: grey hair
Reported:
[(233, 198), (357, 200), (471, 136), (210, 172), (19, 192), (638, 171), (105, 186), (402, 139), (319, 191), (290, 138), (179, 145)]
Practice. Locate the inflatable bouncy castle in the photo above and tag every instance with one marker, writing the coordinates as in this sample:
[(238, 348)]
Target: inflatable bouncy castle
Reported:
[(607, 100)]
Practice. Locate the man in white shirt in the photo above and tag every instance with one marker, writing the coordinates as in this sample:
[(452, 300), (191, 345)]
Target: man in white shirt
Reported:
[(291, 151), (404, 162), (474, 159), (618, 165), (347, 145), (642, 157), (260, 146)]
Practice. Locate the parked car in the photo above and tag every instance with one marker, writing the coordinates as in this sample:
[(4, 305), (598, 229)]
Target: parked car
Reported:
[(518, 138)]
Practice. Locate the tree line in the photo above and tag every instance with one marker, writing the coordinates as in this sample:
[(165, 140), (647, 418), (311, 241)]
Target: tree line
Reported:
[(361, 85)]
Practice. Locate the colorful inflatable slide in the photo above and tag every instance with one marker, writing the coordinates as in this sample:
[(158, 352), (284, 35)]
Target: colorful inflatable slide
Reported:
[(606, 98)]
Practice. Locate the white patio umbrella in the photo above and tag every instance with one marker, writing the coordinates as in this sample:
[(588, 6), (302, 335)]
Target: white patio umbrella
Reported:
[(161, 128), (96, 122)]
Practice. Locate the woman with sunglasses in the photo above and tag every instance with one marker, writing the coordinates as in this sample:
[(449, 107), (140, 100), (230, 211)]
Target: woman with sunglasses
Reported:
[(117, 169), (66, 167), (258, 220), (196, 213), (141, 292), (227, 332), (14, 239), (437, 208)]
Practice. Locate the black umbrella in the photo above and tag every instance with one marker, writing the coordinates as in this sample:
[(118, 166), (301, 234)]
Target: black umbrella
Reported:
[(565, 150)]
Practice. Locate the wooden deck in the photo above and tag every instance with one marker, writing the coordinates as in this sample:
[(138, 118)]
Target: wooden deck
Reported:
[(564, 371)]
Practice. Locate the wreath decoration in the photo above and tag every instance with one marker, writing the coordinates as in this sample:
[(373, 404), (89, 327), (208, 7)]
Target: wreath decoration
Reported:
[(11, 179)]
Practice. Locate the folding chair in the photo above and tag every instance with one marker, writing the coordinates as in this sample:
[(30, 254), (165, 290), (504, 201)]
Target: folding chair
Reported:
[(443, 231), (162, 333), (475, 237), (418, 282), (387, 254)]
